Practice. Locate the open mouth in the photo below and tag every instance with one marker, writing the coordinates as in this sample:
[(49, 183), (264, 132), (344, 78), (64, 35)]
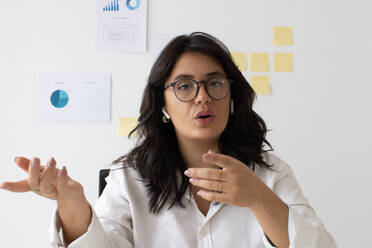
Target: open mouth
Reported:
[(204, 116)]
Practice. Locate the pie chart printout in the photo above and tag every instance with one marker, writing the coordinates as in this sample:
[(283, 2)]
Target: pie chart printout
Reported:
[(59, 98), (133, 4)]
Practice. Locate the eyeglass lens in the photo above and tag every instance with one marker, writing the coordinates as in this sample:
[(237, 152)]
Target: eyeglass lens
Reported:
[(187, 89)]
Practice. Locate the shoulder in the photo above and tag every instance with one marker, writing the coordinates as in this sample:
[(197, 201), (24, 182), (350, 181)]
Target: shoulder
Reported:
[(127, 180), (278, 170)]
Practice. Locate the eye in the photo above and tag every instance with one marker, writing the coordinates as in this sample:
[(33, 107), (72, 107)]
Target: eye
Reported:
[(216, 82), (184, 85)]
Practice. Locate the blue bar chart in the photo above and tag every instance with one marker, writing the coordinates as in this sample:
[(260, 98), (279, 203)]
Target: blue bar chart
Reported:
[(112, 5)]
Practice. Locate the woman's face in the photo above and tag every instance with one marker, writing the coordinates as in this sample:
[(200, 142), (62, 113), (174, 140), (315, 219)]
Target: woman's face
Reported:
[(186, 116)]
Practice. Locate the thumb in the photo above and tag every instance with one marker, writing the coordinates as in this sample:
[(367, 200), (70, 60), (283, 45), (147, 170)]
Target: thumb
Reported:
[(62, 179), (67, 188)]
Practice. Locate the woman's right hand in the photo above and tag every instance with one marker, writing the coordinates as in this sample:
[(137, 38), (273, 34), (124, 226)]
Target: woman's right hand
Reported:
[(47, 181), (53, 183)]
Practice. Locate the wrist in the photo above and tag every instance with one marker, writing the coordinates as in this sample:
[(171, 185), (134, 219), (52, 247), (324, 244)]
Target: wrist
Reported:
[(69, 208), (267, 202)]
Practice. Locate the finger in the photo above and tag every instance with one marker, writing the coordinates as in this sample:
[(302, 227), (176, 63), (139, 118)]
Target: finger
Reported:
[(205, 173), (209, 184), (213, 196), (34, 174), (22, 163), (49, 176), (223, 161), (62, 179), (66, 186), (20, 186)]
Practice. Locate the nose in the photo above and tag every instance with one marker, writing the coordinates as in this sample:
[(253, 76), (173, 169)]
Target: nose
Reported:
[(202, 96)]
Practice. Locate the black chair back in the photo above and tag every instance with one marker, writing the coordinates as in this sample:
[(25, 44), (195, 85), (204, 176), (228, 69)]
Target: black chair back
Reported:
[(103, 173)]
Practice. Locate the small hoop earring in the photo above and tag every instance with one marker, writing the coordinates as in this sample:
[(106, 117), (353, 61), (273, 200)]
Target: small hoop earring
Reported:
[(165, 119), (232, 106)]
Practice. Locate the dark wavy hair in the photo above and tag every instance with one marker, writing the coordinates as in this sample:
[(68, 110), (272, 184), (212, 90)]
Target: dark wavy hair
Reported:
[(156, 156)]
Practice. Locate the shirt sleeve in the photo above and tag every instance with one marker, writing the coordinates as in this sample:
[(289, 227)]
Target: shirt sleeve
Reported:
[(111, 224), (305, 228)]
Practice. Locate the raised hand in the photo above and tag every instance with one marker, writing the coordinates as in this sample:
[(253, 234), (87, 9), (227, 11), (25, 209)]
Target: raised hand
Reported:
[(52, 183), (234, 183), (47, 181)]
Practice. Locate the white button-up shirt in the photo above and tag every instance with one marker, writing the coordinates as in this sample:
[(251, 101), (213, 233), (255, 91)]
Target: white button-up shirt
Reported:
[(121, 218)]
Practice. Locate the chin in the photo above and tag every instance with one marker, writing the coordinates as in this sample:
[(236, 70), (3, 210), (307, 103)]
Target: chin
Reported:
[(205, 135)]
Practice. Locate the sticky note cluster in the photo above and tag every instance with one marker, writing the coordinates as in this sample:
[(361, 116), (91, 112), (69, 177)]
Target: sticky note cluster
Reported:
[(260, 62), (283, 36)]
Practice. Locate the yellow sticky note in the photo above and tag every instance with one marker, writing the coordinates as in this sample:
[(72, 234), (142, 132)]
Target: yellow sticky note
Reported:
[(283, 62), (240, 60), (283, 36), (261, 84), (259, 62), (126, 125)]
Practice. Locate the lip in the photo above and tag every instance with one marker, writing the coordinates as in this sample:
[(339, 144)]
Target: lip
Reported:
[(204, 112), (205, 121)]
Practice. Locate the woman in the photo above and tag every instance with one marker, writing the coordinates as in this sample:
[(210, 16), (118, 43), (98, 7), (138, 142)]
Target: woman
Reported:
[(201, 174)]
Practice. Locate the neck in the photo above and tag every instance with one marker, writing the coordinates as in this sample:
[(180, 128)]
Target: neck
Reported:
[(192, 151)]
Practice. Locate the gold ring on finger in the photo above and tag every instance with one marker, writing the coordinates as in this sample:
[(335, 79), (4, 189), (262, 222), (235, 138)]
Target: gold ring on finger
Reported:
[(219, 175), (51, 193), (220, 187)]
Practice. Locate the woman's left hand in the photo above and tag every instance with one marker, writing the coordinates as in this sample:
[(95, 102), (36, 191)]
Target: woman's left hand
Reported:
[(235, 183)]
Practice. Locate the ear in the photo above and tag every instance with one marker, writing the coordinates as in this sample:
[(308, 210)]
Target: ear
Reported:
[(165, 112)]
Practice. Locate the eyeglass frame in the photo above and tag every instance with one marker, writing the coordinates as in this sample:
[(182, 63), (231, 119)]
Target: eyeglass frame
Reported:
[(198, 83)]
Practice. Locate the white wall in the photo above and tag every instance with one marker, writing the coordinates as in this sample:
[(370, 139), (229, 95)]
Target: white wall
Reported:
[(319, 115)]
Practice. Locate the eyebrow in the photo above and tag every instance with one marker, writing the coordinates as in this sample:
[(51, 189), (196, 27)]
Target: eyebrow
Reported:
[(188, 76)]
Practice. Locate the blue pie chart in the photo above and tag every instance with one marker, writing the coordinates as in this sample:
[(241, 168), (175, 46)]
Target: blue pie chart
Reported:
[(133, 7), (59, 98)]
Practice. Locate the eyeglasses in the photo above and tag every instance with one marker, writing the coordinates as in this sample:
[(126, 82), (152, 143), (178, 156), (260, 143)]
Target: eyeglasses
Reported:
[(186, 90)]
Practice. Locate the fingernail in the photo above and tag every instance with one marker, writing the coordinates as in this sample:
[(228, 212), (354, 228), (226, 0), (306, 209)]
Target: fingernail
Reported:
[(50, 162), (207, 156), (192, 180), (35, 161), (188, 172), (210, 151), (64, 170), (15, 159), (2, 186), (200, 193)]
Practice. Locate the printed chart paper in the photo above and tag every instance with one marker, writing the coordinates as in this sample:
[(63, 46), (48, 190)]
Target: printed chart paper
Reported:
[(74, 98), (121, 26)]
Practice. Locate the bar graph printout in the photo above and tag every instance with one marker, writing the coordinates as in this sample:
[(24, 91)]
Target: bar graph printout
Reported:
[(121, 26), (112, 5)]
